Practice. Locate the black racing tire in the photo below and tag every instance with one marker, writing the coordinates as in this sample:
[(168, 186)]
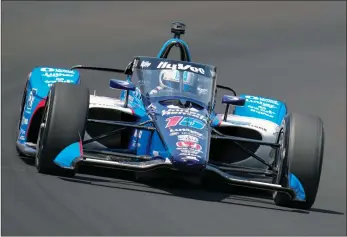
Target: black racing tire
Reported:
[(63, 123), (303, 156)]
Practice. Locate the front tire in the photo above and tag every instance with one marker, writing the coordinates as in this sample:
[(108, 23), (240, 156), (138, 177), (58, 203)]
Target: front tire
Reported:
[(63, 123), (303, 157)]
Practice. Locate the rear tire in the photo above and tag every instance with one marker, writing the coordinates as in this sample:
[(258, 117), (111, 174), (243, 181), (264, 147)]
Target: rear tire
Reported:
[(303, 156), (63, 123)]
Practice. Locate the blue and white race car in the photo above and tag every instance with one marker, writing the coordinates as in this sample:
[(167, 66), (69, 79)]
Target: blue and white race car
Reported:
[(165, 119)]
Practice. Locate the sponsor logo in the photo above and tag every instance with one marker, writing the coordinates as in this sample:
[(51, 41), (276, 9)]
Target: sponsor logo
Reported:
[(105, 105), (191, 112), (202, 91), (155, 153), (22, 132), (61, 80), (262, 111), (256, 99), (123, 83), (57, 75), (180, 66), (25, 121), (31, 99), (48, 69), (188, 151), (191, 145), (242, 123), (145, 64), (190, 158), (232, 98), (185, 121), (258, 127), (188, 138), (185, 131)]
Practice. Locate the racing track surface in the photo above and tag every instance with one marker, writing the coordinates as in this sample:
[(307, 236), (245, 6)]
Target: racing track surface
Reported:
[(292, 51)]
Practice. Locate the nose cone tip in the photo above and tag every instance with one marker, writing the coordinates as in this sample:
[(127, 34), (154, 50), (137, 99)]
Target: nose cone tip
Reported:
[(188, 164)]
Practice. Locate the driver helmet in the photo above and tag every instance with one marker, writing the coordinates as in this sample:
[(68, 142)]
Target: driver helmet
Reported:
[(170, 79)]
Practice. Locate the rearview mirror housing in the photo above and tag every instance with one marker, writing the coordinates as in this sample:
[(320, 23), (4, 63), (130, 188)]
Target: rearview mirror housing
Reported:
[(233, 100), (121, 85)]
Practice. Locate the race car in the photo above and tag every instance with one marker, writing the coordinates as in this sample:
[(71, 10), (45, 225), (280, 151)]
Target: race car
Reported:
[(165, 119)]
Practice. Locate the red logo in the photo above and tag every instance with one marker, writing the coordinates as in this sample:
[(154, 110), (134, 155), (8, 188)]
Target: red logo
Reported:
[(188, 144)]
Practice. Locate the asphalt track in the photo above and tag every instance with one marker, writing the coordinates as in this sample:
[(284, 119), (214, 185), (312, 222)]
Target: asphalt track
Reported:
[(292, 51)]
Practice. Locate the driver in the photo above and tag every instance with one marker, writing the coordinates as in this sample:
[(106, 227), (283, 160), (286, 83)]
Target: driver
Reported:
[(170, 80)]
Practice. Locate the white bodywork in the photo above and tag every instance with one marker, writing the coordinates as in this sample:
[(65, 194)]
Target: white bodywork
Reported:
[(108, 103), (268, 130)]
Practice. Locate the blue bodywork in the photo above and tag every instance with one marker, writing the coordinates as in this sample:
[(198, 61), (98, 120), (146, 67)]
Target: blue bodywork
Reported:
[(37, 88), (174, 125), (263, 108)]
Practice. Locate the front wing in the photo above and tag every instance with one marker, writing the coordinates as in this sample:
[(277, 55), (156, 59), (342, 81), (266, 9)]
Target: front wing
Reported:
[(74, 155)]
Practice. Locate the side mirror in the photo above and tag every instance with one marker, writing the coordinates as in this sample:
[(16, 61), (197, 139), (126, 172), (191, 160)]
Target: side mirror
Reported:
[(122, 85), (232, 100)]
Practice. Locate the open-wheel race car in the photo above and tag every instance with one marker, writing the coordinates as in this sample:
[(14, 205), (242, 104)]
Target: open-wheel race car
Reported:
[(165, 118)]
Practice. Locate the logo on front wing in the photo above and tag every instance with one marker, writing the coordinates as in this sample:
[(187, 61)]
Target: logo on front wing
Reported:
[(188, 144)]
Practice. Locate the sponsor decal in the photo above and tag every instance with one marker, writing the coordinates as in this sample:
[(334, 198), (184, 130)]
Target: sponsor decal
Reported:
[(123, 83), (61, 80), (262, 106), (187, 144), (173, 107), (22, 138), (190, 158), (130, 98), (243, 123), (258, 127), (57, 70), (180, 66), (145, 64), (262, 110), (31, 99), (57, 74), (232, 98), (25, 121), (202, 91), (185, 131), (192, 112), (189, 153), (253, 99), (21, 132), (188, 138), (111, 105), (155, 153), (185, 121)]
